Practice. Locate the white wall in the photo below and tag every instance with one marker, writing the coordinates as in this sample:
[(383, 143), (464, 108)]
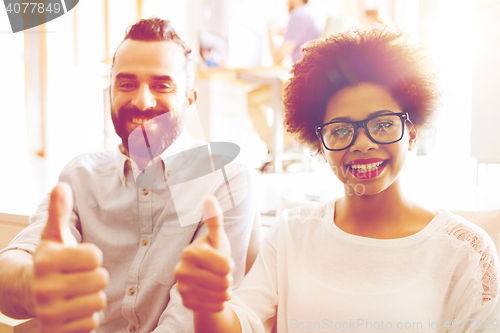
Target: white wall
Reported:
[(485, 134)]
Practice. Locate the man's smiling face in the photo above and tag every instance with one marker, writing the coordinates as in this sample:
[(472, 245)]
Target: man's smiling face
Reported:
[(149, 80)]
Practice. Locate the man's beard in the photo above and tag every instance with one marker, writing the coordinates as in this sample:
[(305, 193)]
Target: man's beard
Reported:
[(169, 129)]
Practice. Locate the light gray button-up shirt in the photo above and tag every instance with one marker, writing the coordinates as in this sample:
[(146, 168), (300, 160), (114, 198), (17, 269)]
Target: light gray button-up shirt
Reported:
[(139, 232)]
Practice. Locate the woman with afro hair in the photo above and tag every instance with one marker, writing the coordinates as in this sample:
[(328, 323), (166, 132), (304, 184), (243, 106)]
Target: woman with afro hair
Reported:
[(373, 260)]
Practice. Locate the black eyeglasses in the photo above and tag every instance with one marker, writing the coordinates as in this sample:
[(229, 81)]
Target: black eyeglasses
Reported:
[(384, 129)]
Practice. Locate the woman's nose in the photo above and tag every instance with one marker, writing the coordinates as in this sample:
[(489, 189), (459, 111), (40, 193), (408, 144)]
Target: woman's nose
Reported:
[(363, 143)]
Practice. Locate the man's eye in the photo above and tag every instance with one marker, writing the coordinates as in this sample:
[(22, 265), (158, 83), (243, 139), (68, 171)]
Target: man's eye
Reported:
[(126, 85), (163, 86)]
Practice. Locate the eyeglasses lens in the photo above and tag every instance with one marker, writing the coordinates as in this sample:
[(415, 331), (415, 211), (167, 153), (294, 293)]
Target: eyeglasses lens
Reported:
[(385, 129)]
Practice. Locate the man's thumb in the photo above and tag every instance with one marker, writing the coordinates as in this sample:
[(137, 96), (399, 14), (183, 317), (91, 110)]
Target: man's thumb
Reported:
[(212, 214), (60, 207)]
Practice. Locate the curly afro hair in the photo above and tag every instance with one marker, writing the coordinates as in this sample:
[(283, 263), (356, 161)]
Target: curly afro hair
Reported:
[(381, 56)]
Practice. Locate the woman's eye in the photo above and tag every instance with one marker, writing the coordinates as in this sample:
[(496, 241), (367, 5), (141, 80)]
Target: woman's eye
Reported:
[(383, 126), (341, 132)]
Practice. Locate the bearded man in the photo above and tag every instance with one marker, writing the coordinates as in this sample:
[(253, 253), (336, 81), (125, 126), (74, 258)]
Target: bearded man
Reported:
[(99, 254)]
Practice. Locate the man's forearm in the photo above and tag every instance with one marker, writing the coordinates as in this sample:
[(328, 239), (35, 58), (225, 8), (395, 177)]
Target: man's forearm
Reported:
[(16, 268)]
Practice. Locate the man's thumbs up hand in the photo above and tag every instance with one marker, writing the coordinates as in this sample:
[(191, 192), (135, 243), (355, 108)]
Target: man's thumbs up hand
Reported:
[(57, 228), (204, 273), (67, 279)]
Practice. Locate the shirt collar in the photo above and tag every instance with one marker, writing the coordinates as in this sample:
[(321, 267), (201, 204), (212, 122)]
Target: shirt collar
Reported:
[(124, 164)]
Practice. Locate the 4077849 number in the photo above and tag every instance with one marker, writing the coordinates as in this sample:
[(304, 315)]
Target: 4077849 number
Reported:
[(33, 7)]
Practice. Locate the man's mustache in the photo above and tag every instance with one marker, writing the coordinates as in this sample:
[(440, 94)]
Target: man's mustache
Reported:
[(130, 112)]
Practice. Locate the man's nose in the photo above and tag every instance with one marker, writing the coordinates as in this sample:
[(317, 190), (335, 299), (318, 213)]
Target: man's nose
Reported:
[(363, 142), (144, 99)]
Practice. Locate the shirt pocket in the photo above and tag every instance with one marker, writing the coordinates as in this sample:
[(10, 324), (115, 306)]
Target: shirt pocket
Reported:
[(166, 251)]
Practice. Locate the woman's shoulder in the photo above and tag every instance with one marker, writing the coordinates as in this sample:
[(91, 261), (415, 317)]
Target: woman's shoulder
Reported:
[(472, 237), (464, 232)]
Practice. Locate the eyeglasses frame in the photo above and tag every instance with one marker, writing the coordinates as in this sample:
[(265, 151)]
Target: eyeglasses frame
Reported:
[(364, 123)]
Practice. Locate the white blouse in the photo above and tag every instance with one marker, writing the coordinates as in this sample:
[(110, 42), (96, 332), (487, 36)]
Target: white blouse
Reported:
[(310, 276)]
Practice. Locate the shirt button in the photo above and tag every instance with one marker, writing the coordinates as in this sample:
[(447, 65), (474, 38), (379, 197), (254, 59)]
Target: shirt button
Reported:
[(145, 191), (132, 329), (145, 242), (168, 173), (131, 291)]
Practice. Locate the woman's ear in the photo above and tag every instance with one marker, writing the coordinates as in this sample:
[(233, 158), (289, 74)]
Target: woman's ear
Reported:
[(413, 137), (322, 151)]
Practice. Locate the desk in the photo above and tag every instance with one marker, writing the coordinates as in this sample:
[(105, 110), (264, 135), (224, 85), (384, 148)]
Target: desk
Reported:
[(9, 325), (10, 226), (223, 97), (273, 76)]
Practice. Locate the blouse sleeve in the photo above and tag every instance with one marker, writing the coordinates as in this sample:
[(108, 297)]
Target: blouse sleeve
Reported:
[(480, 304), (255, 301)]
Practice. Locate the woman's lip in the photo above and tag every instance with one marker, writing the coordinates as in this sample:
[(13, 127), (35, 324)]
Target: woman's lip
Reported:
[(365, 161), (369, 174)]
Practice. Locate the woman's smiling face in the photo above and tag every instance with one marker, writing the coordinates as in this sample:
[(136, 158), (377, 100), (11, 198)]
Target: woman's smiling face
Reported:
[(367, 167)]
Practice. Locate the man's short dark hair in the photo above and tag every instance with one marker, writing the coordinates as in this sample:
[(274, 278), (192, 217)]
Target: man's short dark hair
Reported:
[(158, 30)]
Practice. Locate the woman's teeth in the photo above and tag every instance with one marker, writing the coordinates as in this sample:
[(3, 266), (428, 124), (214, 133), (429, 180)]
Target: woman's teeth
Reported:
[(366, 167)]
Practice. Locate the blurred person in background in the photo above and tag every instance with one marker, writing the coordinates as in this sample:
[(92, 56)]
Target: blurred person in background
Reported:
[(375, 16), (301, 29)]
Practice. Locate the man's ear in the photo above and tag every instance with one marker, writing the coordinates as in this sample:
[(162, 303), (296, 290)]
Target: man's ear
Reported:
[(192, 98), (110, 91), (413, 137)]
